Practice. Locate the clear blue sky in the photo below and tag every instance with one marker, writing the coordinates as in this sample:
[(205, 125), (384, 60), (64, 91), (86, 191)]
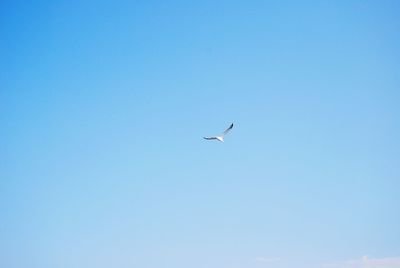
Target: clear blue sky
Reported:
[(103, 106)]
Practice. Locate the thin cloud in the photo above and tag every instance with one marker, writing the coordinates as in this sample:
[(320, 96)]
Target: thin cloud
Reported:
[(366, 262)]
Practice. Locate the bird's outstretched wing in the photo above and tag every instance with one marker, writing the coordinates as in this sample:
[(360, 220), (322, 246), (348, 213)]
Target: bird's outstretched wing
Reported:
[(228, 129), (210, 138)]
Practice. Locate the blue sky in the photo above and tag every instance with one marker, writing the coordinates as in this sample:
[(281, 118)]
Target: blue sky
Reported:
[(103, 106)]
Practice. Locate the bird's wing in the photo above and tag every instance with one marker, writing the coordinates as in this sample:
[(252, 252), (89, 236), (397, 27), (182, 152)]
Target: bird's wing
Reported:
[(210, 138), (228, 129)]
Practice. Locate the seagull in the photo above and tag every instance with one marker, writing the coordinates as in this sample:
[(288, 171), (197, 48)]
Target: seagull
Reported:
[(220, 137)]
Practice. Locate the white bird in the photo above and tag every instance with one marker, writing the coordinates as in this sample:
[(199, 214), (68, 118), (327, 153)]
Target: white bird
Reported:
[(222, 136)]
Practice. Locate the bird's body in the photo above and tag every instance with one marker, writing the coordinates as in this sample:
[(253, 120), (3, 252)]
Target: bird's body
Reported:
[(220, 137)]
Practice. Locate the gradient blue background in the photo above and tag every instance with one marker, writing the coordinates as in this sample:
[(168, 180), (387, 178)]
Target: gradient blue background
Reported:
[(103, 106)]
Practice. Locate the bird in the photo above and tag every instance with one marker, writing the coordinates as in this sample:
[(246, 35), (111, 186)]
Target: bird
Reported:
[(222, 136)]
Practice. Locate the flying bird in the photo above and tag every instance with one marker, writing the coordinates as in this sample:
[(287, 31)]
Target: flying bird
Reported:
[(222, 136)]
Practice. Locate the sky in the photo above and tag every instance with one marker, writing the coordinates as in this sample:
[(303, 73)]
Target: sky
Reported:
[(103, 109)]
